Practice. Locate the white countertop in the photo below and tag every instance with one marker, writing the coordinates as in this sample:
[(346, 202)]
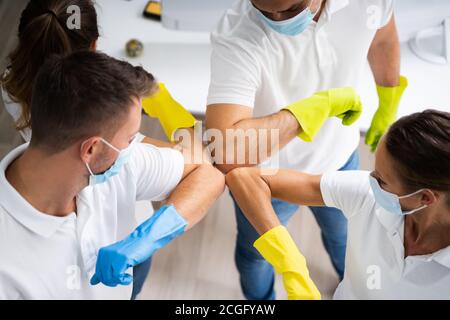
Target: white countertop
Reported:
[(182, 61)]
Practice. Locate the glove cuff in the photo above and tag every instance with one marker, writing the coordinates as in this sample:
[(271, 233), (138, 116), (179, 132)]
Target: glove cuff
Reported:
[(310, 115), (280, 250), (171, 218), (170, 113), (161, 228), (389, 97)]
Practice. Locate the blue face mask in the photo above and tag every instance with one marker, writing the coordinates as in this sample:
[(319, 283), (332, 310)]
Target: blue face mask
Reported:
[(121, 160), (293, 26), (389, 201)]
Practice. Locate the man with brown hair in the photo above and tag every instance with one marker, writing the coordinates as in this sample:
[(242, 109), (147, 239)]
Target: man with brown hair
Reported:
[(73, 189)]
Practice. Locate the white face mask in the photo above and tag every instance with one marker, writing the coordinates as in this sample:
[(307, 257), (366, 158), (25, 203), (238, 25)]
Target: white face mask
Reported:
[(293, 26), (390, 201)]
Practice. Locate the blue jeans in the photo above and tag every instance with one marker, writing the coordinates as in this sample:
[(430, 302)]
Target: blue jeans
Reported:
[(140, 273), (256, 274)]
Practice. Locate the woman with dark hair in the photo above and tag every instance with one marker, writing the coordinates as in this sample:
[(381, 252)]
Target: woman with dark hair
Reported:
[(398, 244), (43, 32)]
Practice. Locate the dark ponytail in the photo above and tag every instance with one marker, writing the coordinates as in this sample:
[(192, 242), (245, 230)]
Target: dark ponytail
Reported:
[(43, 32), (420, 146)]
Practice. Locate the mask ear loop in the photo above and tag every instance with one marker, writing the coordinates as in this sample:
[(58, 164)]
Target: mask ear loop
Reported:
[(135, 138), (415, 210), (110, 145), (317, 11), (85, 163), (410, 195), (89, 169)]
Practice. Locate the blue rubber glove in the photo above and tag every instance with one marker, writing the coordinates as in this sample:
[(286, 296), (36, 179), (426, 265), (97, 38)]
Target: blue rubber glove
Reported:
[(113, 261)]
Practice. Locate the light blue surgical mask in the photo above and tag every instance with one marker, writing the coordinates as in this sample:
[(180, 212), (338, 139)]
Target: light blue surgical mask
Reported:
[(122, 159), (391, 202), (293, 26)]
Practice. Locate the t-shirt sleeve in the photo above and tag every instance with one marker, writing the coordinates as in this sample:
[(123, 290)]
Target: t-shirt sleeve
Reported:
[(387, 10), (348, 191), (157, 171), (235, 74)]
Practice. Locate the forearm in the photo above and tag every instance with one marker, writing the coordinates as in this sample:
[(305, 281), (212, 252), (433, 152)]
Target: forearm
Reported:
[(197, 192), (247, 141), (253, 193), (384, 56), (295, 187), (253, 196), (250, 141)]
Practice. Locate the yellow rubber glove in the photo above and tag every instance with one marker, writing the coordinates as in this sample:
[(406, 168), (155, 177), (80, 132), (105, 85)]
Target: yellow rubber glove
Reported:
[(311, 113), (279, 249), (389, 101), (169, 112)]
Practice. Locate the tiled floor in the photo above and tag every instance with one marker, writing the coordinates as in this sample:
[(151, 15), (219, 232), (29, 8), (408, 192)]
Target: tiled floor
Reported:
[(199, 265)]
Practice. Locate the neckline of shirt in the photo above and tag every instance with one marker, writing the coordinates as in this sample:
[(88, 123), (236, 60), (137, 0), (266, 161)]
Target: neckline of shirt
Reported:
[(17, 207)]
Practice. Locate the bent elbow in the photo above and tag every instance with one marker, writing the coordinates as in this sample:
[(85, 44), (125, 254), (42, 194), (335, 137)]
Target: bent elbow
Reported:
[(215, 177)]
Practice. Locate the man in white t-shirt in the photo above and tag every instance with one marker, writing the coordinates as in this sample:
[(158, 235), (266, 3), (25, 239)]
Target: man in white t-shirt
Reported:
[(271, 54), (72, 190)]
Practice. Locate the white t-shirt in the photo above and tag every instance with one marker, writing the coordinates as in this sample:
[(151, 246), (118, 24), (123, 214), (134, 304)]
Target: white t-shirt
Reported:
[(254, 66), (46, 257), (375, 267)]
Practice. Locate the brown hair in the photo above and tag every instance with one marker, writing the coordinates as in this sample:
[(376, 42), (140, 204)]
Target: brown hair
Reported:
[(82, 95), (420, 146), (43, 31)]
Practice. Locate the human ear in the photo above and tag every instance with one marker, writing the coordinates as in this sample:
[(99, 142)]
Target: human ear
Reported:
[(429, 197), (88, 148)]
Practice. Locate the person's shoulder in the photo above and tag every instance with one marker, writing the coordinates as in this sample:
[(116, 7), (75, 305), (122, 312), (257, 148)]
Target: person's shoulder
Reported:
[(347, 190), (146, 155), (359, 177), (147, 148), (367, 5), (239, 28)]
